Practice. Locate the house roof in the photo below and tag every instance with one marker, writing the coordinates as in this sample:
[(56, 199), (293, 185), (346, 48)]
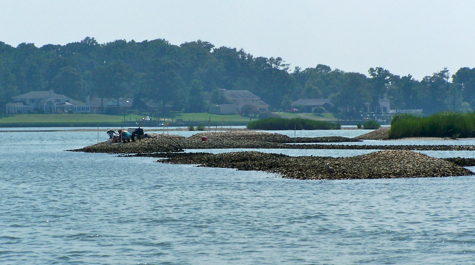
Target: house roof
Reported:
[(239, 94), (65, 104), (111, 102), (312, 102), (77, 103), (45, 96), (16, 104), (41, 94)]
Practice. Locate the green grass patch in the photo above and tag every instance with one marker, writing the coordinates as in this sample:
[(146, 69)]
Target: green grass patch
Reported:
[(215, 118), (63, 119), (291, 124), (69, 120), (443, 124), (309, 116), (79, 120)]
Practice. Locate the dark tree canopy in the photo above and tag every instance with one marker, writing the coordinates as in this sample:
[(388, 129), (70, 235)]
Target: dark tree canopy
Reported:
[(182, 76)]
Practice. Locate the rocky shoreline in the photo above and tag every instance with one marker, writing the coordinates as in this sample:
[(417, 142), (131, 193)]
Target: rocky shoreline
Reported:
[(394, 161)]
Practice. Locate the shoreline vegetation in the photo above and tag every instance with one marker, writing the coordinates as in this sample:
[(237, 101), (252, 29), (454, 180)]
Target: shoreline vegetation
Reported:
[(129, 120), (292, 124), (392, 161), (443, 124)]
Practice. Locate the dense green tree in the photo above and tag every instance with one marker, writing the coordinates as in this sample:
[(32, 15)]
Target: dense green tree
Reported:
[(194, 57), (327, 81), (404, 93), (164, 84), (435, 91), (101, 87), (273, 83), (464, 85), (352, 95), (247, 110), (54, 66), (119, 76), (196, 101), (112, 80), (68, 82), (166, 73), (34, 78), (311, 91), (7, 86), (323, 69), (380, 81), (217, 97)]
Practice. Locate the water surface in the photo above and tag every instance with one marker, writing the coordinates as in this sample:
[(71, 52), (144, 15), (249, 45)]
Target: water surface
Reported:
[(80, 208)]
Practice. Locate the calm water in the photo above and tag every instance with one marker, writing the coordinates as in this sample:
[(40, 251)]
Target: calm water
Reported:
[(60, 207)]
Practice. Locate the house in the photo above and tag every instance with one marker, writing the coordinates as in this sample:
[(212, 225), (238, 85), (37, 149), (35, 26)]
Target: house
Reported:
[(110, 105), (223, 108), (307, 105), (45, 101), (384, 106), (238, 99), (154, 106)]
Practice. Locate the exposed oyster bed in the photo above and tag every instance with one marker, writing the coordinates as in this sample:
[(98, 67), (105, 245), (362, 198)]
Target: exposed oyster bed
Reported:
[(396, 162), (220, 140), (378, 134), (381, 164), (249, 139)]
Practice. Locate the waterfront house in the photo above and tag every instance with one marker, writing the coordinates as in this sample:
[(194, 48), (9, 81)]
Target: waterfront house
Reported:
[(110, 105), (45, 102), (237, 99), (308, 105)]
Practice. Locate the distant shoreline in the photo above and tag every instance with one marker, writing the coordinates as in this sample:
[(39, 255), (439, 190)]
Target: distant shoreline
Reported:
[(155, 129)]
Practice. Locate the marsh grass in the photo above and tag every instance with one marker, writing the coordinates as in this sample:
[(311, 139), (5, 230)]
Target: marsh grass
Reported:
[(443, 124), (291, 124), (371, 125)]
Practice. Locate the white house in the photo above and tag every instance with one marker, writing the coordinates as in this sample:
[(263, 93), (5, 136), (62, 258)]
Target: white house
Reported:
[(45, 101)]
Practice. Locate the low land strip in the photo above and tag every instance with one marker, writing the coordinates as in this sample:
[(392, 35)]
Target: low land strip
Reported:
[(394, 161), (376, 165)]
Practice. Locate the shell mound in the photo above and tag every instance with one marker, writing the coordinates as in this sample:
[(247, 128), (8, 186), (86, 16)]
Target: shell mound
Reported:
[(237, 139), (398, 163), (378, 134), (382, 164), (156, 143)]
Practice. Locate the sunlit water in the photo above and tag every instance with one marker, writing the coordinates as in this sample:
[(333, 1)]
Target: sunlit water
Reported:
[(77, 208)]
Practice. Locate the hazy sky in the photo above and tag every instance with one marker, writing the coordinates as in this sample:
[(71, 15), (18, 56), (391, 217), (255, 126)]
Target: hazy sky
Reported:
[(417, 37)]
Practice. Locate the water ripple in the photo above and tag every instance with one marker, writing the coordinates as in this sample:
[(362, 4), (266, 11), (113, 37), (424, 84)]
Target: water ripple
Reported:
[(63, 207)]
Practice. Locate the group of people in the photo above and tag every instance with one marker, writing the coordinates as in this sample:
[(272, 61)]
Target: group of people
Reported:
[(123, 136)]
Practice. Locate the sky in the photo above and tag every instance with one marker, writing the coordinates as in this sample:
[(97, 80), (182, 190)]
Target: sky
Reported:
[(417, 37)]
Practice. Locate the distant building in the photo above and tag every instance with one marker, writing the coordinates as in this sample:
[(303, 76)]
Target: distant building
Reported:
[(126, 104), (409, 111), (309, 104), (384, 106), (110, 105), (238, 99), (47, 102)]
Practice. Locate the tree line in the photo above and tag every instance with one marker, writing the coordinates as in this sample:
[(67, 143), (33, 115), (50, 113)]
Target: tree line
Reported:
[(182, 75)]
